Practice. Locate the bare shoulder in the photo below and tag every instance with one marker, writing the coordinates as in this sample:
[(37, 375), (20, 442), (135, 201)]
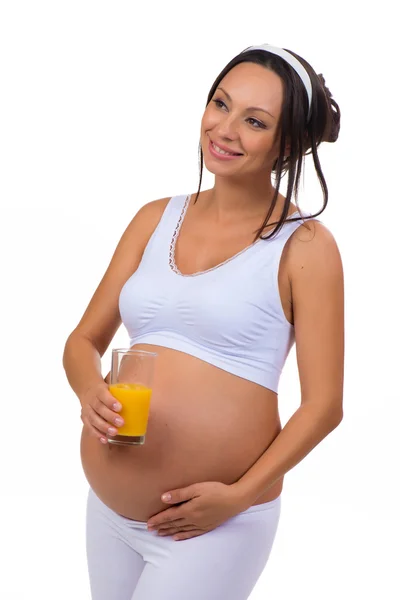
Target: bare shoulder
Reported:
[(139, 230), (313, 246), (150, 214), (156, 205)]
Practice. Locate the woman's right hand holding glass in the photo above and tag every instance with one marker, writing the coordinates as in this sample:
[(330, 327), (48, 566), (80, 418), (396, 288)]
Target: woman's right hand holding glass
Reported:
[(100, 412)]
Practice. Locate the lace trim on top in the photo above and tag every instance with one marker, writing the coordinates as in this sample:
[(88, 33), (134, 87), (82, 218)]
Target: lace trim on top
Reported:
[(172, 245), (175, 237)]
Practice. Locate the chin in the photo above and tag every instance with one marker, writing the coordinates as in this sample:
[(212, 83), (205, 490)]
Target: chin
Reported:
[(215, 169), (214, 166)]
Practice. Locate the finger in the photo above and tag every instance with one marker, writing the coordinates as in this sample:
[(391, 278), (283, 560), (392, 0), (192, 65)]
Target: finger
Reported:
[(188, 535), (171, 515), (173, 530), (175, 523), (99, 424), (109, 400), (102, 405), (94, 432)]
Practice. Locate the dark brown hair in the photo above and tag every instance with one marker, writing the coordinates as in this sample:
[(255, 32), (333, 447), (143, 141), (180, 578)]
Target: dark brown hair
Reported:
[(304, 138)]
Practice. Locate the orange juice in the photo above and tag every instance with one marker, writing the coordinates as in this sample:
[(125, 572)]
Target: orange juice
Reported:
[(135, 401)]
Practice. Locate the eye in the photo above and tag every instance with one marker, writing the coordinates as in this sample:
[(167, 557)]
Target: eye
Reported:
[(257, 124), (219, 102)]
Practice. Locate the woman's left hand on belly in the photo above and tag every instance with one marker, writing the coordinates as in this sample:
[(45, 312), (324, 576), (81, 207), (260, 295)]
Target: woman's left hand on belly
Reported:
[(205, 506)]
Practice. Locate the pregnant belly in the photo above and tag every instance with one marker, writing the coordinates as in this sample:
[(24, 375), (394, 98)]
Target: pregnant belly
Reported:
[(204, 425)]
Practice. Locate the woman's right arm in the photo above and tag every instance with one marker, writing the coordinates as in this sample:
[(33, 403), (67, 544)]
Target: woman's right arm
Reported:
[(90, 339)]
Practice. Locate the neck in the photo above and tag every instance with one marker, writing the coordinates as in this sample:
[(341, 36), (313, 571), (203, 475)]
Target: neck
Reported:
[(231, 199)]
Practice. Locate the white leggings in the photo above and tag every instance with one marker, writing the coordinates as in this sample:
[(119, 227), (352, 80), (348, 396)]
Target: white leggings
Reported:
[(128, 562)]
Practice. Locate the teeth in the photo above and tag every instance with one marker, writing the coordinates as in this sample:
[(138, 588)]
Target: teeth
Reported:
[(222, 151)]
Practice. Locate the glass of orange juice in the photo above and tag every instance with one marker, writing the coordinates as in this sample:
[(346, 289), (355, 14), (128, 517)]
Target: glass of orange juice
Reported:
[(131, 380)]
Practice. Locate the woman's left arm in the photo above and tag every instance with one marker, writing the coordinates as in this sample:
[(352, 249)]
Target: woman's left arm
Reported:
[(317, 283)]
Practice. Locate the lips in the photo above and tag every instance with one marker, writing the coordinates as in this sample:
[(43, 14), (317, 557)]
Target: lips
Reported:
[(226, 149), (221, 156)]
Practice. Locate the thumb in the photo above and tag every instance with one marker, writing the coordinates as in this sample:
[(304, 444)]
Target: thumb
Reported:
[(180, 495)]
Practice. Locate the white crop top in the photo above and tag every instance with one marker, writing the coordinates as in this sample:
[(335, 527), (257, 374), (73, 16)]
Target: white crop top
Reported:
[(229, 316)]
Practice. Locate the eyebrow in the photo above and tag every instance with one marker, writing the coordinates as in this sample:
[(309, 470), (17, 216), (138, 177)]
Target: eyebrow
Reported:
[(250, 107)]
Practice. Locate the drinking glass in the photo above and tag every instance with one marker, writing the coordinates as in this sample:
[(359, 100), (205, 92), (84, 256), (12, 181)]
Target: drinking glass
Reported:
[(131, 381)]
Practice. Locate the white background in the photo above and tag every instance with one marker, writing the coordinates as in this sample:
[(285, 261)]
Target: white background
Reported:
[(100, 108)]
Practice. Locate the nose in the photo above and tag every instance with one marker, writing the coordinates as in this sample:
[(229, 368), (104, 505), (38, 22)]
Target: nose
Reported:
[(228, 128)]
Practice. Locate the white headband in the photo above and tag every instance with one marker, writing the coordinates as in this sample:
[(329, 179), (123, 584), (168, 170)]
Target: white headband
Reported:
[(293, 62)]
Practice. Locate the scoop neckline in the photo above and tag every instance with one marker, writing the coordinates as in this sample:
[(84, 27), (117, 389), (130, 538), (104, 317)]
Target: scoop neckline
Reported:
[(175, 236)]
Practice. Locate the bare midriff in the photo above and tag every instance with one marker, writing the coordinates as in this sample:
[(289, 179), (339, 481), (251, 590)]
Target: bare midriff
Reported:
[(205, 424)]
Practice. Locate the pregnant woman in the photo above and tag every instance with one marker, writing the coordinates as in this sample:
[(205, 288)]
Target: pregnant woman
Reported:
[(220, 284)]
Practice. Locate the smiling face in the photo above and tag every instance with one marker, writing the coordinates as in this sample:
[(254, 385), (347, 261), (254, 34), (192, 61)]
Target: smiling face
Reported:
[(242, 117)]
